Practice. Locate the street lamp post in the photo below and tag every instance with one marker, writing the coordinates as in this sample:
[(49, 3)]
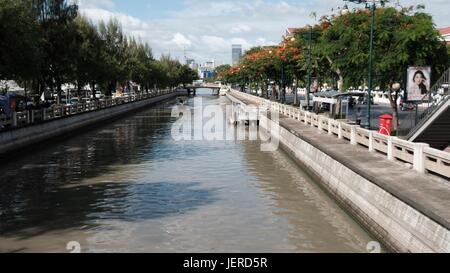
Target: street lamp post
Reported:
[(282, 94), (282, 91), (371, 49), (309, 69), (369, 95)]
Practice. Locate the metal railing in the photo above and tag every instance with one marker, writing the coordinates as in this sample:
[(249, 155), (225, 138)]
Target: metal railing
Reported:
[(30, 117), (439, 96), (419, 156)]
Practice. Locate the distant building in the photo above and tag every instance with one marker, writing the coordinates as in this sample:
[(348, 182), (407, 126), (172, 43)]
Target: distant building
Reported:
[(206, 70), (192, 64), (445, 33), (236, 53), (190, 61), (210, 64), (290, 32)]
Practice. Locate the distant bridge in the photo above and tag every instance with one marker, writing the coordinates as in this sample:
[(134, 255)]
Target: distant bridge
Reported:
[(192, 89)]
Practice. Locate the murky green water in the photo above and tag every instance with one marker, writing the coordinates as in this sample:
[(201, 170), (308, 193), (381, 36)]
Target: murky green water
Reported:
[(129, 187)]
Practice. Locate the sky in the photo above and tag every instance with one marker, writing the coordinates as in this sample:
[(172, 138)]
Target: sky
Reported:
[(205, 29)]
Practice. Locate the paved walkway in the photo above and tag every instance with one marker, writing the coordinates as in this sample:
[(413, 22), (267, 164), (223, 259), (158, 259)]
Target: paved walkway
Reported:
[(425, 193)]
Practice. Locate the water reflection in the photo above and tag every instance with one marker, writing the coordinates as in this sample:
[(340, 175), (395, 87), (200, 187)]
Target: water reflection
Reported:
[(310, 213), (129, 187)]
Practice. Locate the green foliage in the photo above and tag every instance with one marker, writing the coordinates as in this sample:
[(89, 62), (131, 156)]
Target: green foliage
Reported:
[(220, 72), (187, 75), (337, 50), (19, 41), (47, 43), (401, 38)]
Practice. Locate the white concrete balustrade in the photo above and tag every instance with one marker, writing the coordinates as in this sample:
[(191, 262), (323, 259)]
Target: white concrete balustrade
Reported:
[(419, 156), (20, 119)]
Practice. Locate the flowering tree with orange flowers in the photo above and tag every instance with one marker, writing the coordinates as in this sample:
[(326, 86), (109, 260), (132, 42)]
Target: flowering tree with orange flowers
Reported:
[(261, 66)]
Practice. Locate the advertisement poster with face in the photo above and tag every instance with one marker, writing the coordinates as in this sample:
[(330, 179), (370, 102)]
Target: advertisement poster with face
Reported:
[(419, 82)]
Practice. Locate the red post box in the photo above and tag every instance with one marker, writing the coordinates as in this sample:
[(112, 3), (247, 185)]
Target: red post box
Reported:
[(386, 124)]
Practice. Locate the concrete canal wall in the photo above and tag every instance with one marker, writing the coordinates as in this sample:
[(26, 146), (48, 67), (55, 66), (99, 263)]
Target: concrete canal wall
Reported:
[(406, 213), (22, 137)]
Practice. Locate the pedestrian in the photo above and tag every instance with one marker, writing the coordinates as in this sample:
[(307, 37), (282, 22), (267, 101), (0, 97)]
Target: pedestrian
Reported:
[(358, 116)]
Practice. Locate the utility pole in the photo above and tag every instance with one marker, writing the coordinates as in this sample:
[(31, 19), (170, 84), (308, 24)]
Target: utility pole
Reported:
[(309, 69)]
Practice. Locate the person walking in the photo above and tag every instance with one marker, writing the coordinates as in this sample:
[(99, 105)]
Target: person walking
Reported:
[(358, 116)]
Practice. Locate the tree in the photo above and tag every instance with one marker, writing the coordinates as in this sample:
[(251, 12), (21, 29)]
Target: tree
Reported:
[(89, 61), (402, 37), (60, 41), (344, 43), (171, 69), (220, 71), (20, 43), (115, 55), (187, 75)]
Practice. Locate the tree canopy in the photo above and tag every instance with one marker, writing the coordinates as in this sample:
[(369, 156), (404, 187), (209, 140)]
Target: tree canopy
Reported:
[(340, 50), (47, 43)]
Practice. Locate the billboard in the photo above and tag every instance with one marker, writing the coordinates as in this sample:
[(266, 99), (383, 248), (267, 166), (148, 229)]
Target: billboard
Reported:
[(418, 83)]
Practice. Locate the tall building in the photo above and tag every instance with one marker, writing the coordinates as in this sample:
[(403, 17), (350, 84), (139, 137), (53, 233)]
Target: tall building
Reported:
[(236, 53), (190, 61)]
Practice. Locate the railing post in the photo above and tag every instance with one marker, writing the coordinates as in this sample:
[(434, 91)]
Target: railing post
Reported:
[(28, 117), (371, 142), (419, 158), (330, 127), (319, 124), (32, 116), (340, 131), (390, 149), (14, 119), (353, 140)]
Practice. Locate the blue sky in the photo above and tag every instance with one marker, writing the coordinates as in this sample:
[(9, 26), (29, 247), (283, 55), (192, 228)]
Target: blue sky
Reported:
[(205, 29)]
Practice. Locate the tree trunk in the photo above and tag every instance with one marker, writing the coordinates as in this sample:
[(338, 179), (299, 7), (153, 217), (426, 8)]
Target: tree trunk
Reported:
[(340, 75), (340, 82), (393, 101), (296, 92), (78, 90), (59, 90)]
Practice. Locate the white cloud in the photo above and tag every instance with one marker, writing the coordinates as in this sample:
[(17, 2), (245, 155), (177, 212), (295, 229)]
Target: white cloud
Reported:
[(240, 29), (85, 4), (128, 22), (181, 41), (208, 28)]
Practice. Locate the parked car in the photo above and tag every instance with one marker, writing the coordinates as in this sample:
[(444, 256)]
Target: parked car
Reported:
[(407, 106), (364, 100), (99, 95), (74, 101), (86, 100)]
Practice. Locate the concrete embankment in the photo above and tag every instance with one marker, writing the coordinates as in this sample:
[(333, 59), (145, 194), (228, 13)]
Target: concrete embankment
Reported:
[(23, 137), (405, 210)]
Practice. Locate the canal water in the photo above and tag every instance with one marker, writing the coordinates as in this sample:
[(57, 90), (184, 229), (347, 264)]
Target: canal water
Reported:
[(128, 186)]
